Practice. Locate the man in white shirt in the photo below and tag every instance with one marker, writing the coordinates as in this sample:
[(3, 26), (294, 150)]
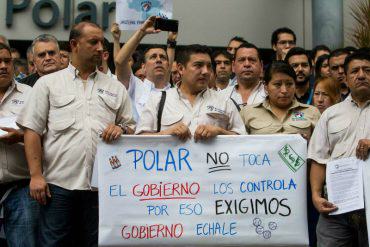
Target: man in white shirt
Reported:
[(191, 108), (156, 66), (67, 112), (248, 69)]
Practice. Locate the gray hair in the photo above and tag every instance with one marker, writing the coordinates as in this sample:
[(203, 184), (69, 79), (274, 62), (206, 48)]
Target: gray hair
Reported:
[(44, 38), (6, 42)]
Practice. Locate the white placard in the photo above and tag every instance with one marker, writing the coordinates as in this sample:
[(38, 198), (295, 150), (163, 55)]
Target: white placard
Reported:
[(232, 190), (344, 184), (130, 14)]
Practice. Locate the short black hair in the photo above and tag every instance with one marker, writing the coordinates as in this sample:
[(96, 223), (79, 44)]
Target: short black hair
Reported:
[(249, 46), (5, 47), (184, 56), (150, 47), (350, 49), (275, 34), (297, 51), (219, 52), (106, 44), (238, 38), (64, 46), (355, 56), (319, 62), (338, 52), (222, 52), (279, 67), (318, 48)]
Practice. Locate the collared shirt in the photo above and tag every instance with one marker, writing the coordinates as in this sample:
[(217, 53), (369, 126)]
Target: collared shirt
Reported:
[(339, 130), (111, 75), (300, 119), (13, 164), (208, 108), (139, 92), (257, 95), (70, 114)]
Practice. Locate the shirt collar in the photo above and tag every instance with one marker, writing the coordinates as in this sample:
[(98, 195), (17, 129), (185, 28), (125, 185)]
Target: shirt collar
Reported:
[(75, 72), (349, 99), (181, 95), (296, 104), (152, 86)]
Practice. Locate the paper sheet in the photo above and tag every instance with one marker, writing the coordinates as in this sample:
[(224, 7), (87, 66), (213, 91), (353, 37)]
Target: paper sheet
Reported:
[(345, 184)]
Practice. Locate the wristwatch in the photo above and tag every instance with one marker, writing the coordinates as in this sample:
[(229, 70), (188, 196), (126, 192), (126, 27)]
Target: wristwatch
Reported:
[(171, 43), (123, 128)]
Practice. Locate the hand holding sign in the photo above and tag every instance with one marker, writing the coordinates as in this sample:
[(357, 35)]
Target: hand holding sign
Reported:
[(13, 136), (180, 130)]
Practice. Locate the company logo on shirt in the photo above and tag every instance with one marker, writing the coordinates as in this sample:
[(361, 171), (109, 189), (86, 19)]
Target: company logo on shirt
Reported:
[(215, 109), (298, 116), (17, 102), (102, 91)]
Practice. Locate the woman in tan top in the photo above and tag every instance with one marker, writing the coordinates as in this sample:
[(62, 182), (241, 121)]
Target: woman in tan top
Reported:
[(280, 112)]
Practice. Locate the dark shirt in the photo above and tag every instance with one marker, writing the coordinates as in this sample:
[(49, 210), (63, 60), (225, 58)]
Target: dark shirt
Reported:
[(306, 98), (30, 80), (343, 96)]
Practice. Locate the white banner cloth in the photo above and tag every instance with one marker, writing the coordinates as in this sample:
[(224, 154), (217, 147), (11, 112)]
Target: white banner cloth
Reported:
[(130, 14)]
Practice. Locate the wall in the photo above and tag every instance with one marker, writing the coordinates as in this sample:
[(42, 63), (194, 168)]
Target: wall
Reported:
[(210, 22)]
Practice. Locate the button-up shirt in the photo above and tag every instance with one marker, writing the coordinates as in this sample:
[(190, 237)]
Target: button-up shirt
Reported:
[(70, 113), (13, 165), (257, 95), (300, 119), (339, 130), (139, 92), (209, 108)]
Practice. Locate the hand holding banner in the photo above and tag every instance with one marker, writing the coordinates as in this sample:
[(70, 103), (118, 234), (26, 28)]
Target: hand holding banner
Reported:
[(235, 190)]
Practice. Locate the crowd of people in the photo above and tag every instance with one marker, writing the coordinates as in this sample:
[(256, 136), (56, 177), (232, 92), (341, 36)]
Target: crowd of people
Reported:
[(64, 99)]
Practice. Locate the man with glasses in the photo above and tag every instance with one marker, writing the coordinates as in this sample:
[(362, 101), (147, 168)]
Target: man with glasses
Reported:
[(282, 40), (46, 58)]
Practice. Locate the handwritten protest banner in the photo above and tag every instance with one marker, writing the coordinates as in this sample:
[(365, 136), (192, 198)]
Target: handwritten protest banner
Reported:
[(234, 190), (130, 14)]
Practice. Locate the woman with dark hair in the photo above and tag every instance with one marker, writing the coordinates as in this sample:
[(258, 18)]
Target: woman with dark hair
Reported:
[(322, 67), (326, 93), (280, 112)]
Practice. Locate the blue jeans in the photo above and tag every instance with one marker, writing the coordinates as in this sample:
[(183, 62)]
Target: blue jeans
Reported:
[(21, 215), (70, 218)]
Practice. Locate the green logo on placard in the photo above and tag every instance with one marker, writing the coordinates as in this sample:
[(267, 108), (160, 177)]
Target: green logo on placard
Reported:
[(291, 158)]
